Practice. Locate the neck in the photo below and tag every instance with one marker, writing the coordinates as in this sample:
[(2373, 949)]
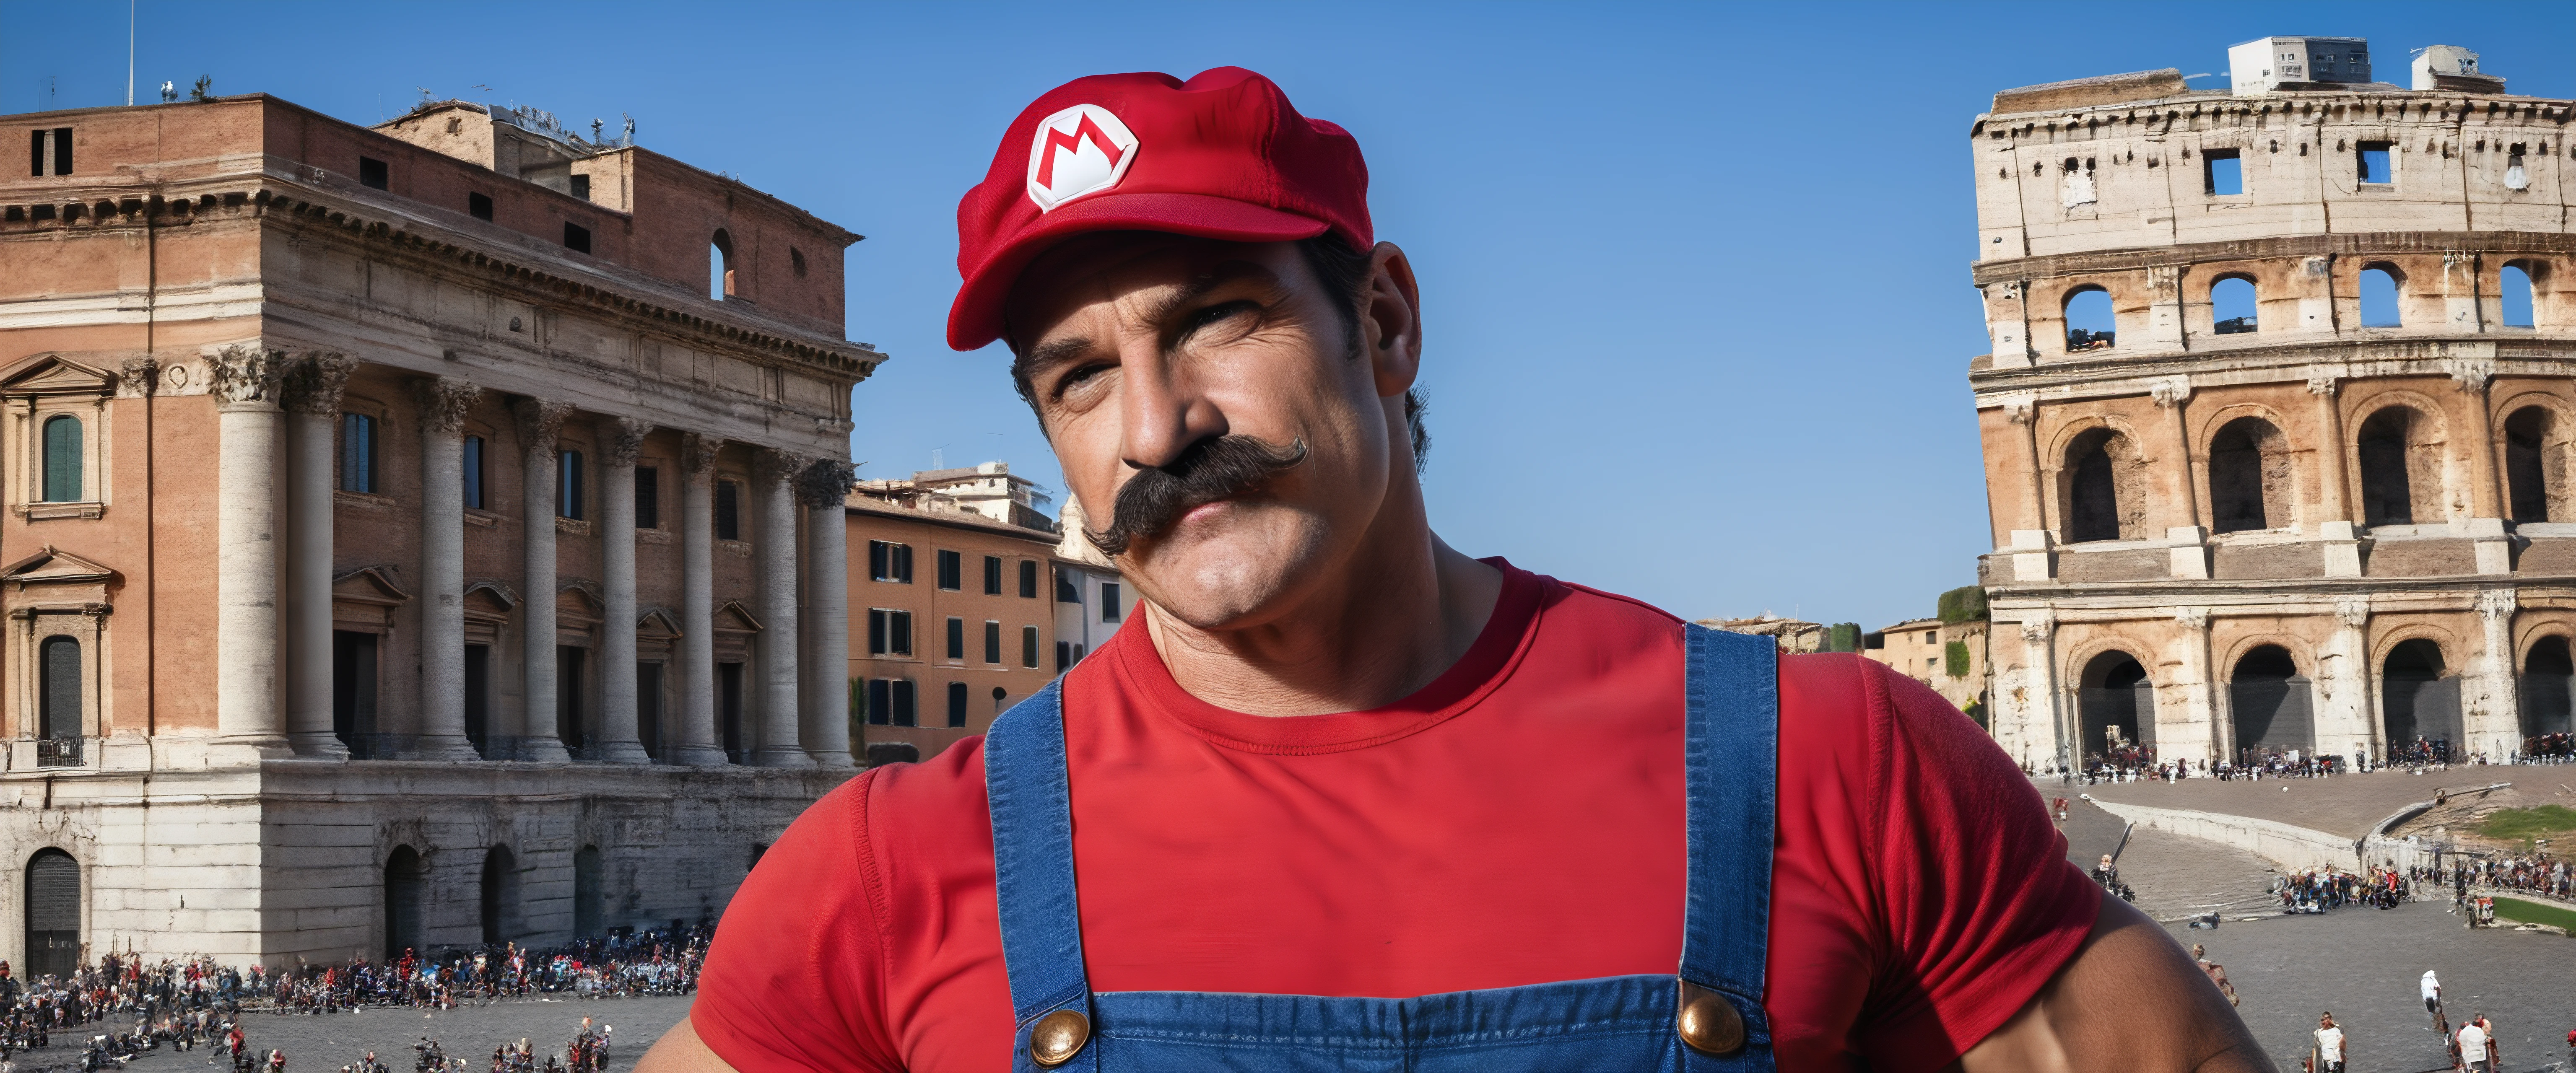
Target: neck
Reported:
[(1403, 607)]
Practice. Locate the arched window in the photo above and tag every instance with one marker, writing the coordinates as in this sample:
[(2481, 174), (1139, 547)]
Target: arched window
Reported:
[(500, 895), (2249, 477), (63, 459), (2385, 450), (2548, 702), (2096, 509), (588, 893), (2115, 708), (2270, 703), (2515, 284), (59, 687), (2379, 305), (405, 893), (720, 277), (2090, 324), (2231, 305), (53, 915), (2421, 704), (2535, 465)]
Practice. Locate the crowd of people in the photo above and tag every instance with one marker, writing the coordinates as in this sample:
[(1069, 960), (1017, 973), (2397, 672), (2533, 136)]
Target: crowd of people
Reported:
[(2317, 890), (2130, 762), (123, 1006)]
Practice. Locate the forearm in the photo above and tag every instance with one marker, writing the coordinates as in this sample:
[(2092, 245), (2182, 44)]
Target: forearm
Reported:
[(2131, 1000)]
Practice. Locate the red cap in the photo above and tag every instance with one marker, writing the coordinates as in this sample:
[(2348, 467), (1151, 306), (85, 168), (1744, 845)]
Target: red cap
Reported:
[(1223, 155)]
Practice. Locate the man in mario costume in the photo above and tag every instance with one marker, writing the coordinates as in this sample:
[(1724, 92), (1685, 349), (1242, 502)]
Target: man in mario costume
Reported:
[(1343, 796)]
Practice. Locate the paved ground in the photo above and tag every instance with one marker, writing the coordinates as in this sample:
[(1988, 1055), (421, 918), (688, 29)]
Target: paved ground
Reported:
[(2346, 804), (325, 1042), (2362, 964)]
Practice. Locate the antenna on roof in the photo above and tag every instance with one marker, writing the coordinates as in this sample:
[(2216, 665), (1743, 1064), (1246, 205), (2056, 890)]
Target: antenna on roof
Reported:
[(129, 53)]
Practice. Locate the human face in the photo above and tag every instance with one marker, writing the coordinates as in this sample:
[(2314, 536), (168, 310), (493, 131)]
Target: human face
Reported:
[(1138, 350)]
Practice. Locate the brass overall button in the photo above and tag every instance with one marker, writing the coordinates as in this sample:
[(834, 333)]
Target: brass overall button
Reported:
[(1708, 1022), (1059, 1035)]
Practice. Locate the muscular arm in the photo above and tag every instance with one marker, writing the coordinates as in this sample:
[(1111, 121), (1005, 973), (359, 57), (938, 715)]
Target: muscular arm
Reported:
[(2131, 1000), (680, 1051)]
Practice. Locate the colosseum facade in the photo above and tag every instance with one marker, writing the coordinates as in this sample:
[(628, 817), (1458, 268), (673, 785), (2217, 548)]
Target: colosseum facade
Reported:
[(2278, 418)]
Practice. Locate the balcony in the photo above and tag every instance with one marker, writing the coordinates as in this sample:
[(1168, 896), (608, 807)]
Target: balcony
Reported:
[(58, 752)]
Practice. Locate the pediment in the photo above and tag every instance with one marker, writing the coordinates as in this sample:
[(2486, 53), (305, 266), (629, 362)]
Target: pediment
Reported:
[(53, 374), (658, 623), (490, 596), (369, 585), (582, 599), (733, 618), (55, 567)]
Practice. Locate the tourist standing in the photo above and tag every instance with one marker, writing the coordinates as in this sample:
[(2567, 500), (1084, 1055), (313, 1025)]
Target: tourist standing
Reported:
[(2329, 1045), (2475, 1053)]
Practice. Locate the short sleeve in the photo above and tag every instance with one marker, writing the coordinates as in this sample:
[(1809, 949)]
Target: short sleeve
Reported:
[(798, 955), (1981, 905)]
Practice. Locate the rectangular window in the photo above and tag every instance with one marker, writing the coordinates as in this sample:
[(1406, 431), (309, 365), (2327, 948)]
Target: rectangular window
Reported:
[(1029, 647), (2372, 161), (478, 698), (648, 707), (1066, 590), (62, 150), (581, 187), (568, 487), (903, 563), (957, 704), (1108, 601), (1028, 579), (55, 144), (478, 206), (473, 467), (1063, 656), (648, 497), (729, 712), (576, 237), (877, 631), (993, 643), (728, 511), (952, 571), (957, 639), (2223, 172), (992, 575), (372, 173), (36, 140), (880, 703), (889, 561), (901, 690), (357, 453), (62, 449), (899, 632)]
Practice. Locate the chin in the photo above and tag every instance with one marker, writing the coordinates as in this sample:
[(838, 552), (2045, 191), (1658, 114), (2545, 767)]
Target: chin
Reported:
[(1239, 577)]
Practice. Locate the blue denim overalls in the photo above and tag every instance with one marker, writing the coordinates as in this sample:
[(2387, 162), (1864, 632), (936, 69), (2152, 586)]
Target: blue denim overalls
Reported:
[(1707, 1018)]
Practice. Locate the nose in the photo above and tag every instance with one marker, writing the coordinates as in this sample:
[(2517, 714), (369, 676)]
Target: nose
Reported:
[(1162, 410)]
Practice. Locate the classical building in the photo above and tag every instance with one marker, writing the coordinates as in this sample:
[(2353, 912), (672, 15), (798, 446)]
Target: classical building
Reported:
[(952, 582), (2278, 415), (416, 535), (1949, 657)]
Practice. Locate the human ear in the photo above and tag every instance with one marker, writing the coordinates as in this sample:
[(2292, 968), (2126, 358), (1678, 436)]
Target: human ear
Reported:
[(1392, 321)]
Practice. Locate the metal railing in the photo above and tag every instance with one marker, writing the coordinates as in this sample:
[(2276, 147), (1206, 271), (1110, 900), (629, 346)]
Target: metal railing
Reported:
[(58, 752)]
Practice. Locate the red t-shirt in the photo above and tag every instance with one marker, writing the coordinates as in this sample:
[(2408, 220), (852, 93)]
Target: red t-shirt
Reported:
[(1517, 821)]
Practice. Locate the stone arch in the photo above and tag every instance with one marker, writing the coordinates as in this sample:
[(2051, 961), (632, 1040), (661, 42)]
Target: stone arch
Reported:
[(2419, 687), (2271, 703), (2235, 304), (2091, 317), (2252, 481), (2379, 290), (501, 899), (589, 893), (53, 904), (2536, 432), (2114, 703), (2101, 484), (2546, 686), (2402, 459), (406, 894), (2518, 289)]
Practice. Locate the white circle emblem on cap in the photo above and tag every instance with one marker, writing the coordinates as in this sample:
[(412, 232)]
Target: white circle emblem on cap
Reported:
[(1081, 150)]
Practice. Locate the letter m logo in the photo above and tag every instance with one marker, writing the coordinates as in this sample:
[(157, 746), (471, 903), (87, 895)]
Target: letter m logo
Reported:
[(1080, 150)]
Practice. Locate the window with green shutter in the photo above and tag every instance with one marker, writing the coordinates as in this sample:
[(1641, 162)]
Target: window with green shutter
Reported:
[(62, 459)]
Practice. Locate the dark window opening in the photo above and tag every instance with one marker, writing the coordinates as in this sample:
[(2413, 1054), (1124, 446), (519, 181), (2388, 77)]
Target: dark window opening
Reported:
[(59, 694), (2232, 306), (2533, 467), (648, 497), (993, 642), (2222, 172), (2093, 494), (2271, 704), (1109, 609), (53, 915), (2379, 304), (728, 510), (2387, 492), (648, 707), (2090, 323), (957, 639), (1063, 656), (1028, 579), (1067, 590), (478, 206), (478, 698), (2371, 162), (899, 699), (2115, 707), (2420, 703), (568, 706), (2548, 704), (473, 472), (405, 898), (372, 173), (992, 576), (2249, 477), (888, 561), (357, 453), (581, 187), (796, 261), (880, 703), (576, 238), (590, 891), (1029, 647), (353, 692), (952, 571), (500, 896), (729, 712), (956, 704), (568, 486)]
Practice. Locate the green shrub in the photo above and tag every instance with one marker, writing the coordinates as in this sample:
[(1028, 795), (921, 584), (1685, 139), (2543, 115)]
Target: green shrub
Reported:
[(1843, 637), (1954, 658), (1967, 603), (1976, 710)]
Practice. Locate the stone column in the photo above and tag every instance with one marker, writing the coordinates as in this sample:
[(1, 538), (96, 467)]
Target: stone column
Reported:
[(444, 402), (698, 743), (539, 424), (2038, 633), (2024, 411), (245, 383), (778, 633), (312, 419), (2202, 732), (2355, 727), (2494, 724), (617, 732), (2486, 495), (2333, 489), (824, 488)]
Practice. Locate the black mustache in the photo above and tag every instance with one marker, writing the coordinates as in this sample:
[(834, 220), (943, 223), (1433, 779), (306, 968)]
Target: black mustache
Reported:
[(1208, 471)]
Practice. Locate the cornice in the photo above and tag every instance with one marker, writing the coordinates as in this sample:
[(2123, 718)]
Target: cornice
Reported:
[(2223, 595), (266, 197), (2446, 105), (2353, 359), (2360, 243)]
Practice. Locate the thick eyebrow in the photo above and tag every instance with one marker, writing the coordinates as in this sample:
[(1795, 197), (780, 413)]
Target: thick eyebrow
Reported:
[(1055, 352)]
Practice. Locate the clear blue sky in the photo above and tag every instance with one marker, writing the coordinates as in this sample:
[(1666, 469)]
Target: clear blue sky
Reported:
[(1696, 277)]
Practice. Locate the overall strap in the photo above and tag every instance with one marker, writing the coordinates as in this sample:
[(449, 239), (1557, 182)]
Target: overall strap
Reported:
[(1731, 697), (1032, 808)]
